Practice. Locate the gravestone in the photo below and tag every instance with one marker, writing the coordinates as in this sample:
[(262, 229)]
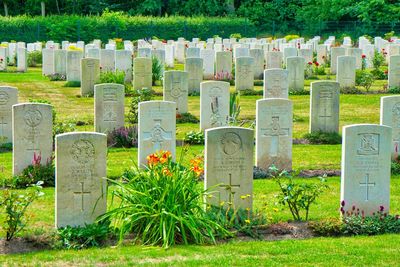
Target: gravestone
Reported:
[(144, 52), (169, 56), (3, 58), (192, 52), (276, 83), (93, 53), (176, 88), (108, 107), (289, 52), (322, 52), (273, 60), (223, 62), (159, 54), (335, 53), (22, 59), (357, 53), (32, 126), (90, 68), (390, 116), (346, 71), (214, 104), (208, 57), (60, 62), (123, 62), (274, 124), (307, 54), (394, 72), (324, 103), (48, 61), (258, 55), (228, 167), (157, 129), (142, 76), (8, 98), (194, 68), (241, 52), (81, 188), (107, 60), (295, 68), (365, 181), (74, 65), (180, 52), (244, 73)]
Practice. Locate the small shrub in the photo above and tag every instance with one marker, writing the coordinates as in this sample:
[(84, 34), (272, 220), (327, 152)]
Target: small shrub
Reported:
[(63, 127), (327, 227), (4, 147), (258, 82), (15, 205), (36, 172), (157, 70), (57, 77), (112, 77), (350, 91), (297, 196), (123, 137), (91, 235), (394, 90), (235, 35), (34, 58), (324, 138), (72, 84), (395, 167), (364, 79), (299, 92), (186, 118), (141, 96), (162, 205), (319, 69), (194, 138), (251, 92)]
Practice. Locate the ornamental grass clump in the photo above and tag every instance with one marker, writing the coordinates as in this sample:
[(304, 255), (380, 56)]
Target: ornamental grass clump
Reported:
[(162, 204)]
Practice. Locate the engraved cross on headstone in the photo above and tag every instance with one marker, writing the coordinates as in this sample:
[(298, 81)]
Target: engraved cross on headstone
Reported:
[(274, 132), (367, 185), (245, 71), (157, 135), (229, 187), (81, 194)]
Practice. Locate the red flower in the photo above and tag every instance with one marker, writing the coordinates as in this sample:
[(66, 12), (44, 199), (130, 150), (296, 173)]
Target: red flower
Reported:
[(310, 63), (363, 56), (316, 63), (386, 72)]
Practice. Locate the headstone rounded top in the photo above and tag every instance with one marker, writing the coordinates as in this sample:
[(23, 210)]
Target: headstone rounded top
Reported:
[(73, 135), (215, 82), (155, 102), (370, 127)]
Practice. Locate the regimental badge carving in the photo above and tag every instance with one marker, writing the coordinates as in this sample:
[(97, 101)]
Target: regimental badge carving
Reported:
[(231, 143), (368, 144), (82, 151), (33, 117), (4, 97)]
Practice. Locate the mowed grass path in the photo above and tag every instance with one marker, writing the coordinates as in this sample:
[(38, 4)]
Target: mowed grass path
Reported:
[(380, 250)]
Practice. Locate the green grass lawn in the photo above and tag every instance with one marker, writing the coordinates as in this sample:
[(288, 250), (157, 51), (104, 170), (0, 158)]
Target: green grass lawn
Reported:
[(379, 250)]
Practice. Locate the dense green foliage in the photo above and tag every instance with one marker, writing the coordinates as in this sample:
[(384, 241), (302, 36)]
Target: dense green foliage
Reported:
[(92, 235)]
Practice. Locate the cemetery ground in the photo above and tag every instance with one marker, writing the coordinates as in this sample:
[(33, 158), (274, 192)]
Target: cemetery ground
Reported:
[(358, 108)]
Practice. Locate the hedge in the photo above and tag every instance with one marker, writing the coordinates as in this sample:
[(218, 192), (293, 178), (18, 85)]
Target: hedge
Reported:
[(118, 25)]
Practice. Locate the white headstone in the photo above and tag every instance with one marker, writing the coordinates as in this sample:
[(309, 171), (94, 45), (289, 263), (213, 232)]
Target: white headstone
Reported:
[(194, 67), (8, 98), (390, 116), (142, 76), (346, 71), (295, 67), (244, 74), (123, 62), (276, 83), (74, 65), (394, 72), (176, 88), (208, 57)]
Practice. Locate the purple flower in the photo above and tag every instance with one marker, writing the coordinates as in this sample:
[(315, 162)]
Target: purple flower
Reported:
[(381, 208), (342, 203)]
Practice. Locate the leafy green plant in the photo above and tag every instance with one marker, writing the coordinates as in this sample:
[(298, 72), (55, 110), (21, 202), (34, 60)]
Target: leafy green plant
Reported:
[(327, 227), (377, 62), (91, 235), (141, 96), (235, 35), (364, 79), (297, 196), (320, 137), (186, 118), (36, 172), (63, 127), (112, 77), (194, 138), (248, 92), (34, 58), (234, 107), (72, 84), (57, 77), (394, 90), (299, 92), (395, 166), (157, 70), (4, 147), (123, 137), (15, 205), (162, 205)]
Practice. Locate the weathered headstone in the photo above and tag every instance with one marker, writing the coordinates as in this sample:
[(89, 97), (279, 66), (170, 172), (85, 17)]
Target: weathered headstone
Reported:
[(157, 129), (176, 88), (144, 52), (258, 55), (90, 73), (81, 169), (193, 52), (346, 71), (274, 122), (93, 53), (32, 126), (324, 103), (244, 73), (229, 167), (307, 54), (194, 68), (22, 59), (8, 98), (214, 104), (142, 76), (365, 181), (107, 60), (108, 107), (60, 62), (223, 62), (394, 72), (357, 53), (48, 61), (123, 62), (335, 53), (295, 67), (390, 116), (208, 57), (276, 83), (74, 65), (322, 52), (273, 60), (3, 58), (289, 52)]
